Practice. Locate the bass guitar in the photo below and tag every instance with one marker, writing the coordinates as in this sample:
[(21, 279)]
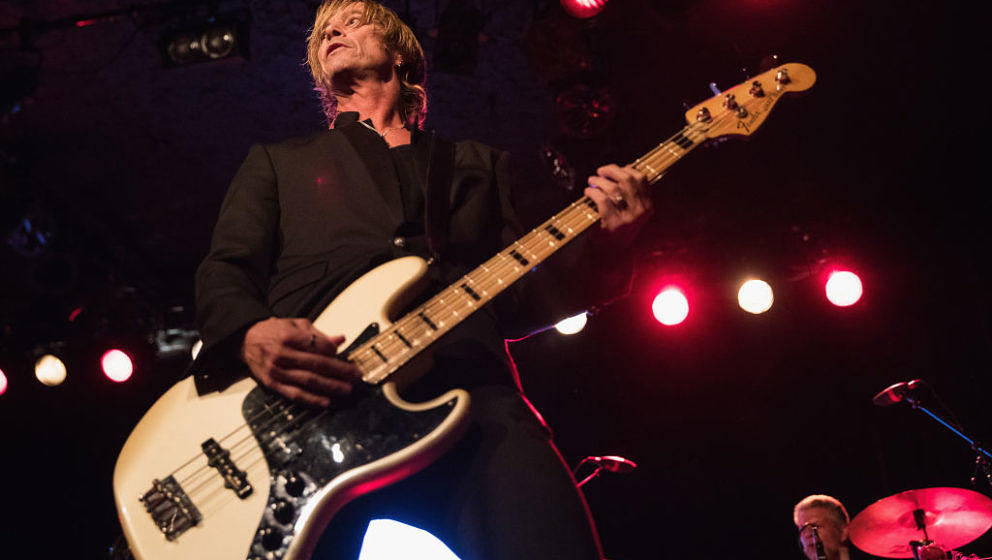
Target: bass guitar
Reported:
[(246, 473)]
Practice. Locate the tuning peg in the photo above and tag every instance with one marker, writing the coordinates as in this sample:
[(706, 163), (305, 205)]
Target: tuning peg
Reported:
[(756, 89)]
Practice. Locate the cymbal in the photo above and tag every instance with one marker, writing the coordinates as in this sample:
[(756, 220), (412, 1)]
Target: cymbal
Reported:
[(953, 517)]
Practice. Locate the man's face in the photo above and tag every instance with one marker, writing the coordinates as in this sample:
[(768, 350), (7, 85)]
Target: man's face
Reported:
[(832, 534), (350, 46)]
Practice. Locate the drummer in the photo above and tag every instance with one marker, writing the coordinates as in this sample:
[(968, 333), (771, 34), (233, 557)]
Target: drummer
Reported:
[(829, 518)]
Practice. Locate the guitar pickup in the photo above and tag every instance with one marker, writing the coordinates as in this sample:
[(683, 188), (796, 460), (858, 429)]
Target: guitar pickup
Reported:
[(220, 459), (171, 509)]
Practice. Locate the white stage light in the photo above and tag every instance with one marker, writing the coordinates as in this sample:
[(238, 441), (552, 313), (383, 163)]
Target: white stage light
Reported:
[(573, 324), (50, 370), (755, 296), (386, 539)]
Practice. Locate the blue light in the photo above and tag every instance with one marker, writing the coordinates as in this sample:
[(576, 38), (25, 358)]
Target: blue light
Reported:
[(386, 539), (29, 238)]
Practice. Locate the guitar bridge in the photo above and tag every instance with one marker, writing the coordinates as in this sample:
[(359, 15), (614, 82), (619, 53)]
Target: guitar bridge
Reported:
[(171, 509)]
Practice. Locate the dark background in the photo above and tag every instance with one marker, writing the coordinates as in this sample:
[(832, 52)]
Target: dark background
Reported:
[(732, 418)]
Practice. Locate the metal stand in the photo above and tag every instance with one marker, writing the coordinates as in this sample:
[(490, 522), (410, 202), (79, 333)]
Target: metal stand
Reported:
[(983, 460)]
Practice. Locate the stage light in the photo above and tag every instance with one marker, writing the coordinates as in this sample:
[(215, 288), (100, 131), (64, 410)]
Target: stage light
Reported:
[(386, 539), (117, 365), (670, 307), (174, 343), (583, 8), (843, 288), (3, 382), (572, 325), (755, 296), (215, 38), (50, 370)]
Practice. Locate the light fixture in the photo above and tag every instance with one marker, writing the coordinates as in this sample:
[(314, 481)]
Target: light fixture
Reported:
[(50, 370), (117, 365), (670, 306), (843, 288), (583, 9), (573, 324), (214, 38), (755, 296)]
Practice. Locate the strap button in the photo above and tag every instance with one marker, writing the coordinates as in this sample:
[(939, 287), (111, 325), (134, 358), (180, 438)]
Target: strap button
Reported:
[(399, 241)]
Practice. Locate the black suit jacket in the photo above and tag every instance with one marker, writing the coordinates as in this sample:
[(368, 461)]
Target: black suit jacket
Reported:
[(304, 218)]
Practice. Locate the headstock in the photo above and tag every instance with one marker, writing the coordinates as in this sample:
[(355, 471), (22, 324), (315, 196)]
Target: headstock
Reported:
[(744, 107)]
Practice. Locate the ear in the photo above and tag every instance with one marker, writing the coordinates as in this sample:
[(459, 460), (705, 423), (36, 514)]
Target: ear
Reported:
[(397, 60), (844, 535)]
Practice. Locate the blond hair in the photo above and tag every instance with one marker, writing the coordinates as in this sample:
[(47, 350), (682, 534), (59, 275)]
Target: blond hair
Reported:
[(396, 36), (830, 503)]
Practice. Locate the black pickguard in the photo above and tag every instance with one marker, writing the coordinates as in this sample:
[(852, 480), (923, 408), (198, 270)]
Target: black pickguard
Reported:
[(306, 448)]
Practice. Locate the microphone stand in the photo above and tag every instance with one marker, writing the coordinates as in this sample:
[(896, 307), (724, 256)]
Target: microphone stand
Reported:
[(820, 554), (983, 458)]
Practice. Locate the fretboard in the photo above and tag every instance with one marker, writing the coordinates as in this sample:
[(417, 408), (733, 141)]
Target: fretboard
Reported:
[(383, 354)]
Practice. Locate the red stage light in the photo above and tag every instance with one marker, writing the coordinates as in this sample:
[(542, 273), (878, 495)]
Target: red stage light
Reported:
[(3, 382), (843, 288), (583, 8), (117, 365), (670, 307)]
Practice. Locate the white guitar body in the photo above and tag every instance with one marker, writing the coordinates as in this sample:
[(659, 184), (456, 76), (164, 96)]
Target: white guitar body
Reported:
[(168, 439)]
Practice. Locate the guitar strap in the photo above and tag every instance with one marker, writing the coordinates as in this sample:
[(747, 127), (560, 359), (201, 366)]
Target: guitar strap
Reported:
[(440, 166)]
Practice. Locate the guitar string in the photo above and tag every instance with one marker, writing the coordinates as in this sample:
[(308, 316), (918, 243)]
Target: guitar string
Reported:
[(503, 266), (389, 342), (285, 412), (667, 148)]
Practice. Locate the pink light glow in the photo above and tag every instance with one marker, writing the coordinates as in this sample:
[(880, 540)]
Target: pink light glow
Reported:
[(583, 8), (117, 365), (843, 288), (670, 307)]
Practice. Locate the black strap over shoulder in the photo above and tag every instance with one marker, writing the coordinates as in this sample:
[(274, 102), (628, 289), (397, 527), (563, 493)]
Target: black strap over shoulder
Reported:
[(440, 167)]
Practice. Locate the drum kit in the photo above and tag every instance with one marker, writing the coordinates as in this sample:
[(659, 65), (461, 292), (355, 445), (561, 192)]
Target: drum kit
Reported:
[(929, 523), (925, 524)]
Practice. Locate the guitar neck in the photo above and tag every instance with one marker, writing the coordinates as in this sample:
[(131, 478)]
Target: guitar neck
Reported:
[(385, 353)]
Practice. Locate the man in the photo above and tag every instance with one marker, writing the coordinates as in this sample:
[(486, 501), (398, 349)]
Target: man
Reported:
[(824, 518), (304, 218)]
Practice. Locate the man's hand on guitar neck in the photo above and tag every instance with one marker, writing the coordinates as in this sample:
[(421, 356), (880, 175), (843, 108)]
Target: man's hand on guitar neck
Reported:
[(621, 196), (293, 358)]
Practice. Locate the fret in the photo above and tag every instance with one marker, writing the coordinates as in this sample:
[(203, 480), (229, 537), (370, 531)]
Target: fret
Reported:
[(513, 262), (427, 321), (519, 258), (471, 281), (448, 308), (468, 290), (378, 353), (520, 245), (557, 223)]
